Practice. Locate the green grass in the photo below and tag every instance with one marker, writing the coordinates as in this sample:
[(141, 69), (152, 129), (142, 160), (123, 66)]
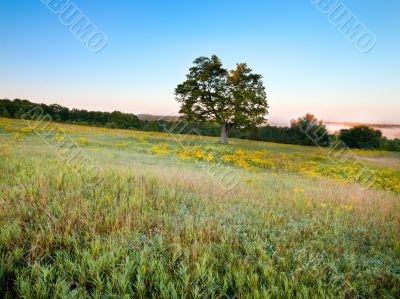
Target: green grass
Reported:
[(159, 225)]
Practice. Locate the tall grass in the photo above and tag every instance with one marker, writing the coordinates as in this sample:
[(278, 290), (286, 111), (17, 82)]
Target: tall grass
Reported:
[(159, 226)]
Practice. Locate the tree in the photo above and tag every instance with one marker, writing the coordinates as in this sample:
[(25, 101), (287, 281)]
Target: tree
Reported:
[(230, 99), (3, 110), (124, 120), (361, 137), (391, 145), (308, 130)]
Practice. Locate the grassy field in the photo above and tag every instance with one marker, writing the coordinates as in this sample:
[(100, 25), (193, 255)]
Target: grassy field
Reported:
[(151, 215)]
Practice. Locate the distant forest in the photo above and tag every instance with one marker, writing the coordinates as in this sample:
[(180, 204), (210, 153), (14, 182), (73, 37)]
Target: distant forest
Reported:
[(118, 120)]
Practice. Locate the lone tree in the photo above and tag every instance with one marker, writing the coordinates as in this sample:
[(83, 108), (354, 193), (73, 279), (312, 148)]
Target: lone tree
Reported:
[(211, 93)]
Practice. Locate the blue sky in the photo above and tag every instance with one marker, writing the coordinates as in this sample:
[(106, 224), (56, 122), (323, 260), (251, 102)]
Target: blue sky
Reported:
[(307, 63)]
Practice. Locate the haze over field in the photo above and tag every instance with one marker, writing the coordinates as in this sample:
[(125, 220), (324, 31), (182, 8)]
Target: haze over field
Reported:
[(389, 131)]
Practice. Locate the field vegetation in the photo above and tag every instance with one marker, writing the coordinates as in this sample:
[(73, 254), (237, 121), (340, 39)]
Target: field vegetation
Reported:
[(156, 221)]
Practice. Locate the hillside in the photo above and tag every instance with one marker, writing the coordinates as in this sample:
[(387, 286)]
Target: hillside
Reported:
[(102, 212)]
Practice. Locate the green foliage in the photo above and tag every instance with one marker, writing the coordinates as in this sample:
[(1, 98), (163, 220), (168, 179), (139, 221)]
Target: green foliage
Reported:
[(231, 99), (247, 97), (361, 137), (307, 130), (391, 145), (3, 109), (203, 93), (28, 110)]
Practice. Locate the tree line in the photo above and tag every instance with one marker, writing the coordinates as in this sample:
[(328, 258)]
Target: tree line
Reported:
[(306, 130), (309, 131), (26, 109)]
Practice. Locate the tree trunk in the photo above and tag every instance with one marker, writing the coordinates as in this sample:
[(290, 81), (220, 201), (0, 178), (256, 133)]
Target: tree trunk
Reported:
[(224, 134)]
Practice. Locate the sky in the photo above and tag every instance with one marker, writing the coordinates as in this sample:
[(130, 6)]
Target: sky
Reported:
[(308, 63)]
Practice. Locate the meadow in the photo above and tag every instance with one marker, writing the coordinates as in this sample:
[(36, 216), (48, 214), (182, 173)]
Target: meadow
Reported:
[(156, 219)]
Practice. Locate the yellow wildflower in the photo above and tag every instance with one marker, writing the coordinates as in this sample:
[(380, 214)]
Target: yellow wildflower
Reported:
[(26, 130), (83, 141), (59, 138), (298, 190), (347, 207), (122, 145), (161, 149)]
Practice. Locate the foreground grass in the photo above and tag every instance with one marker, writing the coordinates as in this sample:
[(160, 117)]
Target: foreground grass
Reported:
[(158, 225)]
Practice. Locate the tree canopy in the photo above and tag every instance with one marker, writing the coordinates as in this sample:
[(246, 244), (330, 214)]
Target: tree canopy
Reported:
[(235, 98), (308, 130), (361, 137)]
